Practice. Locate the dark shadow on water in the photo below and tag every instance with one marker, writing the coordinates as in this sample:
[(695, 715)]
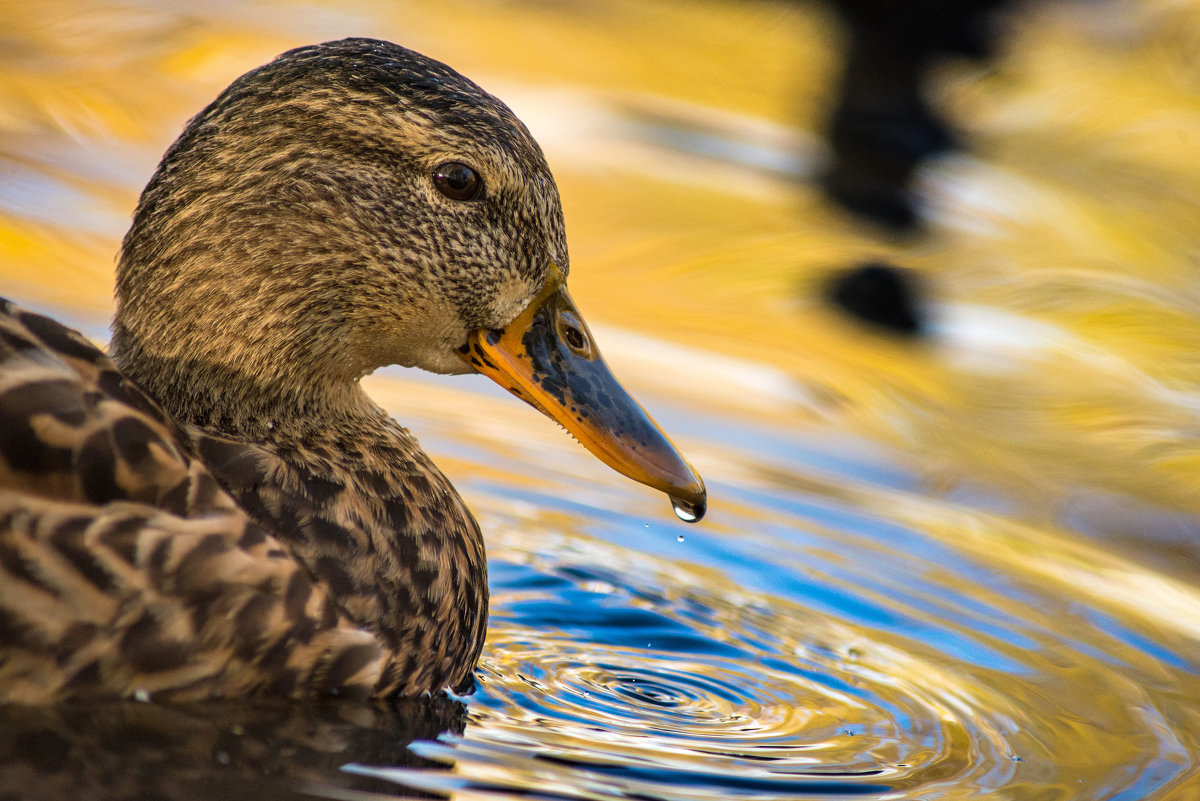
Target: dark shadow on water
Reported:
[(882, 126), (881, 296), (832, 783), (229, 750)]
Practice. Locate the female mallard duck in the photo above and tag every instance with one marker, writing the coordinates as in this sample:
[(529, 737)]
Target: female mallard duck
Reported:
[(220, 509)]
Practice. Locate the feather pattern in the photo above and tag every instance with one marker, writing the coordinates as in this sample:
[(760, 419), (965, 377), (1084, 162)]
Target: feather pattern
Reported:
[(126, 567), (218, 509)]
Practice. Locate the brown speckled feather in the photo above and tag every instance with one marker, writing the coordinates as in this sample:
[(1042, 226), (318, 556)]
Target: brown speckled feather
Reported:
[(220, 509), (334, 489), (126, 567)]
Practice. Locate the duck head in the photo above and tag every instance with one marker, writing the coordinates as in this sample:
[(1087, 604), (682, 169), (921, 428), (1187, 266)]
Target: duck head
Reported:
[(352, 205)]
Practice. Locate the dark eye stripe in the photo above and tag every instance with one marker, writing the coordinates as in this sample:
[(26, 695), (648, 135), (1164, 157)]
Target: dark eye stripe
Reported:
[(457, 181)]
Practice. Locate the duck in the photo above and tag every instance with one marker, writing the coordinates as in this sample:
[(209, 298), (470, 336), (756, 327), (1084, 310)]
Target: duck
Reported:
[(215, 507)]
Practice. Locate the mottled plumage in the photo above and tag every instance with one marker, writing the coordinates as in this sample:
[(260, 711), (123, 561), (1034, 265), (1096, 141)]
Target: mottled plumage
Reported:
[(219, 509), (126, 567)]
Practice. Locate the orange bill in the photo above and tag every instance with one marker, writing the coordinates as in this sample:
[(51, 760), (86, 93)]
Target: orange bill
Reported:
[(547, 358)]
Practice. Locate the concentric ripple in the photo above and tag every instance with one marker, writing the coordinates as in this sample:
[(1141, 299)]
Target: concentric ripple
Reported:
[(610, 673), (659, 690), (734, 697)]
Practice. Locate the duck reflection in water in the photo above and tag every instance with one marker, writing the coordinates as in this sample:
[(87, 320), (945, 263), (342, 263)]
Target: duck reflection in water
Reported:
[(270, 748)]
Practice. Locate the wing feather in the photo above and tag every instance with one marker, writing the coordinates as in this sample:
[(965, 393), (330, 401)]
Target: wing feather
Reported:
[(124, 567)]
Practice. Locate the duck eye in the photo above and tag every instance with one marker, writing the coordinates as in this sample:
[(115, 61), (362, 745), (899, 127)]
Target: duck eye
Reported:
[(457, 181)]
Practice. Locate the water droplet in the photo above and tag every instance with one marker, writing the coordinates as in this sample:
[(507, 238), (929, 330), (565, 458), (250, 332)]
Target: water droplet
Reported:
[(687, 511), (679, 538)]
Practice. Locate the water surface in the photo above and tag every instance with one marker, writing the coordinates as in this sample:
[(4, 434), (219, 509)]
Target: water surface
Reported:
[(958, 568)]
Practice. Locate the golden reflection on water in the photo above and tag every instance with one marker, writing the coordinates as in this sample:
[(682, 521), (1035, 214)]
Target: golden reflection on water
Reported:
[(942, 570)]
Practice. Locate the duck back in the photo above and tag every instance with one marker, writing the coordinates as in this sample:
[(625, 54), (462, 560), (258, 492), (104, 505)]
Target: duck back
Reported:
[(126, 569)]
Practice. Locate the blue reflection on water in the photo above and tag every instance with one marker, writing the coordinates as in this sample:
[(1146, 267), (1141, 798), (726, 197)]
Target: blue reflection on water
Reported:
[(1140, 643), (799, 552)]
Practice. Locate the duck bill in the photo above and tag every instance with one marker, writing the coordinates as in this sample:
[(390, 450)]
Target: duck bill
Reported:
[(548, 358)]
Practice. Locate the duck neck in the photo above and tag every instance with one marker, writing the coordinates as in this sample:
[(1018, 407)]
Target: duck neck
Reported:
[(254, 400)]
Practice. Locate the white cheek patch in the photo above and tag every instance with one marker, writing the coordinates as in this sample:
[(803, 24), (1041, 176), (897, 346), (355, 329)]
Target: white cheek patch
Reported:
[(510, 298)]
